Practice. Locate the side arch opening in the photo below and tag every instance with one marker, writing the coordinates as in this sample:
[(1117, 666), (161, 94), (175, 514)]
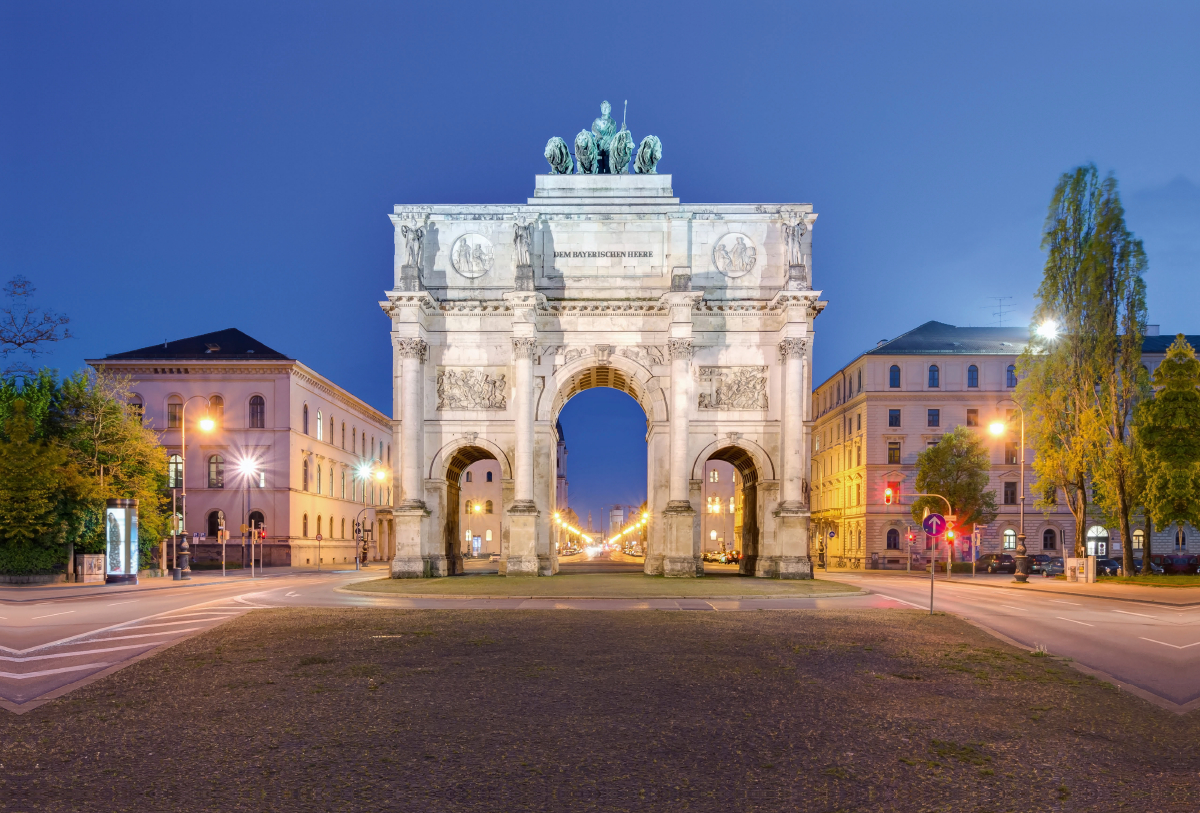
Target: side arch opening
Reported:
[(731, 507), (460, 460)]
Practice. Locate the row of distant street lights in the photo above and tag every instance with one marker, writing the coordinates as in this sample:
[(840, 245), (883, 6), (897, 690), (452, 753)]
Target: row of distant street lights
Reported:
[(633, 527)]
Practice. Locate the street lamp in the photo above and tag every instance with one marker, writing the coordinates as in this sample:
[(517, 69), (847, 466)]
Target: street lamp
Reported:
[(367, 471), (999, 428), (248, 468), (206, 424), (1048, 330)]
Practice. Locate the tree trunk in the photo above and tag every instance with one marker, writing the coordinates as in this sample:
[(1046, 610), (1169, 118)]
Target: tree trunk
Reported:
[(1126, 536), (1079, 509)]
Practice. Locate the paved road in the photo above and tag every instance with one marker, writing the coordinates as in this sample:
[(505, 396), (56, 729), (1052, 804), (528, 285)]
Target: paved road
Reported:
[(1151, 649)]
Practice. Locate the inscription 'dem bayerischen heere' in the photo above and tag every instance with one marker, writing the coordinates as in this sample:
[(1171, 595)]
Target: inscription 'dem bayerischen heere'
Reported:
[(589, 254)]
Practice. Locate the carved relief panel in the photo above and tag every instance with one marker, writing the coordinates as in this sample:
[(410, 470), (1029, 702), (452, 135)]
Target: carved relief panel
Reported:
[(471, 388), (726, 388)]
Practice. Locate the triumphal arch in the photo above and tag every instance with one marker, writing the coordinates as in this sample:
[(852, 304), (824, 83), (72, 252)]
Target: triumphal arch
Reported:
[(703, 313)]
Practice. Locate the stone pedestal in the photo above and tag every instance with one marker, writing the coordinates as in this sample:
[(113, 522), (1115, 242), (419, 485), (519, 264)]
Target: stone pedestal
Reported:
[(410, 278), (524, 280), (522, 557), (679, 555), (797, 278), (409, 563), (792, 528)]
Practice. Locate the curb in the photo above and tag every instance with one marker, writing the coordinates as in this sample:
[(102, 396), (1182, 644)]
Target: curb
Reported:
[(459, 596), (1028, 588)]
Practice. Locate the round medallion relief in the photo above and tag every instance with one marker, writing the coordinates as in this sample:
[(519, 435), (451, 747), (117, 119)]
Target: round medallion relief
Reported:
[(735, 254), (471, 255)]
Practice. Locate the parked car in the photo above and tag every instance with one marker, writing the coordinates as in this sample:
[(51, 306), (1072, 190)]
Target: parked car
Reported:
[(1055, 567), (1154, 566), (1176, 562), (996, 563), (1037, 562), (1107, 567)]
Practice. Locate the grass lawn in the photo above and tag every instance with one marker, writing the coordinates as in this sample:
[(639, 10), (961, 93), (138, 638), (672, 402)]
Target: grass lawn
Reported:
[(604, 585), (1154, 580), (416, 710)]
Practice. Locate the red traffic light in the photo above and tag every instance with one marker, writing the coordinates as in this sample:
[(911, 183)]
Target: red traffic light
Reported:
[(911, 536), (888, 496)]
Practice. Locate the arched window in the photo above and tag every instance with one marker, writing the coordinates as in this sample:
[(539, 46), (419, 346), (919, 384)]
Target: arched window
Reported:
[(1010, 539), (216, 410), (934, 376), (389, 454), (137, 409), (354, 439), (1139, 540), (372, 447), (714, 476), (216, 471), (1180, 539), (306, 419), (893, 539), (839, 392), (174, 412), (1011, 375), (331, 481), (304, 526), (257, 520), (216, 522), (860, 379), (1049, 539), (487, 536), (468, 477), (487, 507), (489, 477), (304, 474), (331, 429), (319, 525), (320, 426), (174, 471), (712, 535), (343, 484), (318, 481), (894, 377), (972, 376), (258, 413)]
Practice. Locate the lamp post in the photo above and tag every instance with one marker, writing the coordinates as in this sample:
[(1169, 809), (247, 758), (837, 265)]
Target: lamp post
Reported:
[(206, 424), (367, 471), (999, 428), (248, 468)]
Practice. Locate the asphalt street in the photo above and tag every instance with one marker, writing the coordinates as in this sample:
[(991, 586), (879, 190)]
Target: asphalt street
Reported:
[(55, 639)]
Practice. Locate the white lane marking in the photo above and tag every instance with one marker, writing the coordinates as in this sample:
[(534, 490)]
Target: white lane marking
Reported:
[(241, 600), (143, 635), (65, 612), (197, 616), (168, 624), (290, 594), (902, 601), (1060, 601), (1141, 615), (1009, 606), (81, 652), (28, 675), (1164, 643), (119, 603), (1073, 621)]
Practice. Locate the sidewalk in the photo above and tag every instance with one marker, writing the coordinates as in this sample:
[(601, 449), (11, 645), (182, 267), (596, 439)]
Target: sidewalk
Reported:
[(1162, 596)]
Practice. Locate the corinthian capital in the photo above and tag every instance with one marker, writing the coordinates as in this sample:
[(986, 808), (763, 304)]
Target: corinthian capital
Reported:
[(524, 348), (793, 348), (411, 348), (680, 349)]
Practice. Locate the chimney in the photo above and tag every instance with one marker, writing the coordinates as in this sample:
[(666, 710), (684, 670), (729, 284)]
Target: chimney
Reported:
[(1151, 330)]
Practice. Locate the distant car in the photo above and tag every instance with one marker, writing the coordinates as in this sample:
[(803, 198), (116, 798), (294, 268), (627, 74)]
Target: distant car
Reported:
[(495, 557), (1107, 567), (1184, 563), (996, 563), (1154, 566), (1037, 562), (1054, 567)]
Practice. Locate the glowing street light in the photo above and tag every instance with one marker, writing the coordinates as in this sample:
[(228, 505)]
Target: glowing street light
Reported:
[(1048, 330), (998, 428)]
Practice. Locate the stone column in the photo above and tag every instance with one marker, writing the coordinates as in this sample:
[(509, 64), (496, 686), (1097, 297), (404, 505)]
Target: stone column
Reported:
[(523, 513), (411, 560), (792, 515), (679, 518)]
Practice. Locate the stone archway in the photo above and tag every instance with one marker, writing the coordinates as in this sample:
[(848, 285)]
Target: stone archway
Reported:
[(501, 313)]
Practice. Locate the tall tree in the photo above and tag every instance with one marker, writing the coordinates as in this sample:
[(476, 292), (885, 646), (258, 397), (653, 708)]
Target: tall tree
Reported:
[(1168, 429), (956, 468), (25, 328)]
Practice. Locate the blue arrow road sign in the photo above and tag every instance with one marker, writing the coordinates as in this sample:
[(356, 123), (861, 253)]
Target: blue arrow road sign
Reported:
[(934, 524)]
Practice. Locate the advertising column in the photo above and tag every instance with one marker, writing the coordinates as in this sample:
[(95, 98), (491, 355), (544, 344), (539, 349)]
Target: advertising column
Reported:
[(121, 530)]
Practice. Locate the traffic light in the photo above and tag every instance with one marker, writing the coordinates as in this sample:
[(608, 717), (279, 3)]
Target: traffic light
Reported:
[(889, 496), (912, 537), (262, 532)]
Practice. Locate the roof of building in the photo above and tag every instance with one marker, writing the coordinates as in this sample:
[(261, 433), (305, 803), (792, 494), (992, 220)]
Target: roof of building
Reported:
[(938, 338), (1159, 344), (230, 343)]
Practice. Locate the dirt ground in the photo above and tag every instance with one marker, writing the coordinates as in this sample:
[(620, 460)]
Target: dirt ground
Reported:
[(379, 710)]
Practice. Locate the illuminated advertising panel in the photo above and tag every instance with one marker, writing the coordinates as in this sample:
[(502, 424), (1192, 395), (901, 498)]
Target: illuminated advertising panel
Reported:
[(121, 533)]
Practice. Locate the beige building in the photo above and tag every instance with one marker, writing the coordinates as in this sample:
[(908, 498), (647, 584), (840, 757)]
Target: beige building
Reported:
[(481, 500), (721, 501), (290, 450), (875, 415)]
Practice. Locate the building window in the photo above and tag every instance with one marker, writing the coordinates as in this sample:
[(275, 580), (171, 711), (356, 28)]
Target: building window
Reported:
[(1139, 540), (343, 484), (343, 434), (258, 412), (174, 471), (893, 457), (1010, 493), (1049, 539), (216, 522), (342, 535), (487, 507), (304, 474), (216, 471), (858, 455), (137, 410), (731, 505), (489, 474), (319, 525), (858, 422), (933, 376), (306, 419), (857, 494), (216, 410), (318, 485), (714, 476), (859, 388), (893, 417), (712, 536), (304, 526), (1010, 539), (257, 520), (893, 539), (972, 376), (354, 439), (714, 505), (331, 481), (174, 414), (1180, 539), (933, 417), (972, 417), (320, 431), (1010, 452), (389, 454), (1011, 376), (894, 377), (468, 477), (895, 487)]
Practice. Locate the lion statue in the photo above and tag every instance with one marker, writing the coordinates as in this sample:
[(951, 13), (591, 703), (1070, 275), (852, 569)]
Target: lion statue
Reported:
[(620, 150), (648, 156), (587, 154), (559, 157)]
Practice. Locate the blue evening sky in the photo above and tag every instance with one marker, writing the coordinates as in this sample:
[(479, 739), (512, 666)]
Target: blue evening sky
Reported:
[(167, 169)]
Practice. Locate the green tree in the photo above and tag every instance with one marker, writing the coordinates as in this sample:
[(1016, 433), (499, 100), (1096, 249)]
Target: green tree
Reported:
[(42, 494), (956, 468), (1168, 430)]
